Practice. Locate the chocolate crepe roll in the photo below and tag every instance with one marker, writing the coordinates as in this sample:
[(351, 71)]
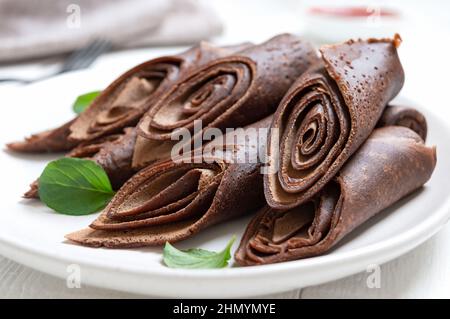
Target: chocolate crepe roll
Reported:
[(392, 163), (326, 115), (124, 101), (171, 201), (113, 152), (227, 93), (406, 116)]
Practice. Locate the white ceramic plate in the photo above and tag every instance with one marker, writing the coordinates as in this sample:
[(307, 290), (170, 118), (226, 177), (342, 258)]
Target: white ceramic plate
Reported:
[(33, 235)]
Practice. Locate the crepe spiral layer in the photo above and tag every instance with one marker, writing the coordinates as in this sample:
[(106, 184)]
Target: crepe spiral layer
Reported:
[(124, 101), (120, 105), (171, 201), (326, 115), (230, 92), (377, 176)]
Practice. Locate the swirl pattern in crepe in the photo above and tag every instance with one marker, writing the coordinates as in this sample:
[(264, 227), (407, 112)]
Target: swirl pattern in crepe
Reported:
[(124, 101), (377, 176), (230, 92), (326, 115), (171, 201)]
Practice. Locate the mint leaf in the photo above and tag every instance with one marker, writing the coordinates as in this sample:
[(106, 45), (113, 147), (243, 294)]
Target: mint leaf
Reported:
[(83, 101), (196, 257), (74, 186)]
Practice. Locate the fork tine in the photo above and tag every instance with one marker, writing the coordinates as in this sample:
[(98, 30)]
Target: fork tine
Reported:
[(78, 59), (102, 46), (74, 57), (84, 57), (90, 50), (94, 53), (74, 60)]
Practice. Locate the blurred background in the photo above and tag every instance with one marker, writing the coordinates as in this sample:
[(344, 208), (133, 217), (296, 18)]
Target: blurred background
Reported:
[(36, 37), (31, 29)]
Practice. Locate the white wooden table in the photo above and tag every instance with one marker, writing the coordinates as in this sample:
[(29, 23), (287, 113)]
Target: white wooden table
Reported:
[(422, 273)]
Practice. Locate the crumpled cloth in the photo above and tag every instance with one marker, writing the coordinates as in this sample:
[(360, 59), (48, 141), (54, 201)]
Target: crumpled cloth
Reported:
[(30, 29)]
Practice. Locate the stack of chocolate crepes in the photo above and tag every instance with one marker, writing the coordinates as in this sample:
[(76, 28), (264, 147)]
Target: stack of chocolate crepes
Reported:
[(321, 150)]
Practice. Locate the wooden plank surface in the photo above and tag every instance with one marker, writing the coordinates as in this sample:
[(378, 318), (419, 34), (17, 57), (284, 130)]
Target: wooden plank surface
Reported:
[(18, 281)]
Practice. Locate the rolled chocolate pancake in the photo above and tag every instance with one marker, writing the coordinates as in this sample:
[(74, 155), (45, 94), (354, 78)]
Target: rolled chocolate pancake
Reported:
[(406, 116), (124, 101), (392, 163), (326, 115), (171, 201), (229, 92), (113, 152)]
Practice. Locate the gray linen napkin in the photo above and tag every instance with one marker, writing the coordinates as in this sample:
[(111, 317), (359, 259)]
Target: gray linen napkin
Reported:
[(31, 29)]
